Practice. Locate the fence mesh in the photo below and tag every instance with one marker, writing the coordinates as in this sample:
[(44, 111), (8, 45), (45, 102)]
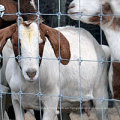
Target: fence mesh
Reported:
[(55, 14)]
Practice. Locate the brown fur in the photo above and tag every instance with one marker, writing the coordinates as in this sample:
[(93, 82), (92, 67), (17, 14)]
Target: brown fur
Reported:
[(14, 41), (116, 80), (26, 7), (53, 36), (5, 34), (10, 7), (41, 47), (107, 10)]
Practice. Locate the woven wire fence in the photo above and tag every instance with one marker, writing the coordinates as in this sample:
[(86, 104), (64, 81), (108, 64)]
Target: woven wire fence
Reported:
[(58, 18)]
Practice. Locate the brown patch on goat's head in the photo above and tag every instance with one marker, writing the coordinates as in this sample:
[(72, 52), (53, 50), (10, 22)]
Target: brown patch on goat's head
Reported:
[(26, 7), (107, 9), (53, 36), (116, 80), (115, 24)]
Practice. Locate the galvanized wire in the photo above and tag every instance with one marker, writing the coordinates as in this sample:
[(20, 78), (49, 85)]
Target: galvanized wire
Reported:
[(79, 60)]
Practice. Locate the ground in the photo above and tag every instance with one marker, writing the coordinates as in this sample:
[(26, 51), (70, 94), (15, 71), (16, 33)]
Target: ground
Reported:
[(112, 114)]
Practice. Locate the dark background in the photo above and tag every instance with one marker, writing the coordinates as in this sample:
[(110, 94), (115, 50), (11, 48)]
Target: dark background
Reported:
[(52, 7)]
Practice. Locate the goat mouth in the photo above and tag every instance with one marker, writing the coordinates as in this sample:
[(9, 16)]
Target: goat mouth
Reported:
[(73, 13)]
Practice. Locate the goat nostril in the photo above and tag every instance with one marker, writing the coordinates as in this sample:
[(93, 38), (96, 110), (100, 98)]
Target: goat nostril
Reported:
[(31, 74)]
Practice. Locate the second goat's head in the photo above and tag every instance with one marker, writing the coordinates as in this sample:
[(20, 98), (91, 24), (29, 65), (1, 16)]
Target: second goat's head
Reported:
[(91, 10)]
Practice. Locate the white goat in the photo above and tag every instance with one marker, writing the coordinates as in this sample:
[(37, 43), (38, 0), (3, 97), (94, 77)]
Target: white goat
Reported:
[(6, 52), (110, 26), (90, 82)]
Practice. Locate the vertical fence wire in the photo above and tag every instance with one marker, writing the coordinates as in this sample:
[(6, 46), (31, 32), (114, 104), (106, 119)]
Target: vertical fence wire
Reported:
[(101, 83), (102, 60), (19, 60), (80, 62), (60, 95), (40, 92)]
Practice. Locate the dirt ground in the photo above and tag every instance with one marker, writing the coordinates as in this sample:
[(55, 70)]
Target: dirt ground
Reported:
[(112, 112)]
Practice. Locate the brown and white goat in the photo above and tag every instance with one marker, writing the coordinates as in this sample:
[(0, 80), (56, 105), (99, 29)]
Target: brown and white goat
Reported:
[(11, 7), (43, 41), (110, 23)]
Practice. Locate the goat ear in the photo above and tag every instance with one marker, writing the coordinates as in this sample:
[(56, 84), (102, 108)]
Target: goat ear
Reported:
[(10, 7), (5, 34), (53, 36)]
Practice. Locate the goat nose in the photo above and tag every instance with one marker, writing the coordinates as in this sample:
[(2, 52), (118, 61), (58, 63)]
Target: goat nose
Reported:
[(31, 73)]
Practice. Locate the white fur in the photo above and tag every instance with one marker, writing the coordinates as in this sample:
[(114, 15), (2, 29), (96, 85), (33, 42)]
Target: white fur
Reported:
[(30, 39), (32, 2), (6, 52), (80, 7), (115, 4), (92, 85), (113, 36)]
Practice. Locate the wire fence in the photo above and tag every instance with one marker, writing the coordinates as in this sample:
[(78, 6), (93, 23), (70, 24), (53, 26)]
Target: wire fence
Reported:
[(55, 15)]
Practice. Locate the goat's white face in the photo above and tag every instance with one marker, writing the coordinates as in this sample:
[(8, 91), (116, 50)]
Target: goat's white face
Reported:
[(86, 7), (30, 40)]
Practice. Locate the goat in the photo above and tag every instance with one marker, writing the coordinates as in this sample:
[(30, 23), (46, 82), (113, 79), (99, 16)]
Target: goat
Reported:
[(44, 42), (111, 27), (11, 7)]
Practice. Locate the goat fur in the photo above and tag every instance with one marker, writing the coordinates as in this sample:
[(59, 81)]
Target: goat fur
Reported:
[(92, 85), (110, 26)]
